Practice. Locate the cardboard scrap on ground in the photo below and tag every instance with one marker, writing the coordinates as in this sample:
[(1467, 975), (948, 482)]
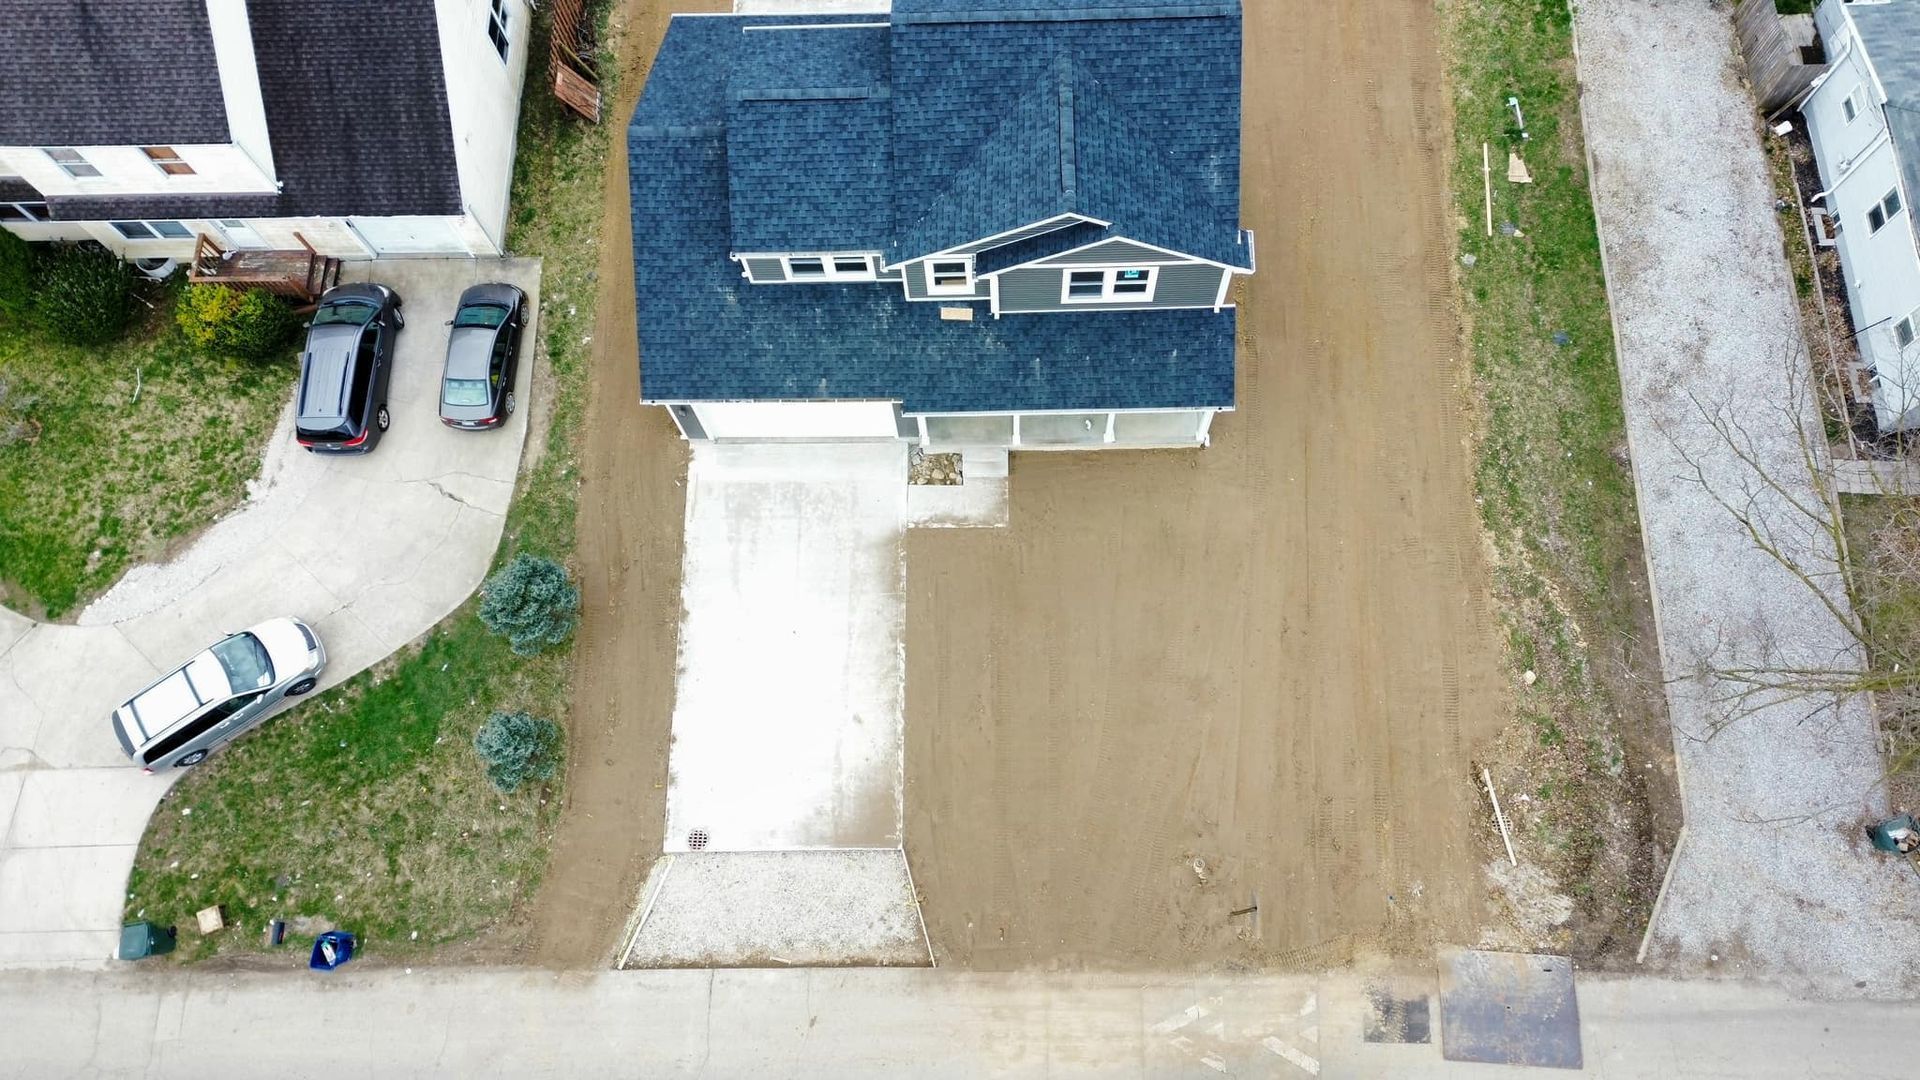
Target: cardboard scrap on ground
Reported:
[(1517, 169)]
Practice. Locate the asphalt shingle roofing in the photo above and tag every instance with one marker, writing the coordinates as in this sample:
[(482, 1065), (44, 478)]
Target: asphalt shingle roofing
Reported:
[(108, 73), (977, 118), (1891, 33)]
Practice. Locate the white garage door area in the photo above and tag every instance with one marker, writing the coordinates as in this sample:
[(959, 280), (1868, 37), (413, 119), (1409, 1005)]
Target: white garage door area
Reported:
[(410, 235), (798, 420)]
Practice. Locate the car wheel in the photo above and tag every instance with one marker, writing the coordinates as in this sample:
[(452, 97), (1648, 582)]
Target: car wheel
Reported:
[(509, 403), (302, 687), (399, 320), (194, 758), (383, 418)]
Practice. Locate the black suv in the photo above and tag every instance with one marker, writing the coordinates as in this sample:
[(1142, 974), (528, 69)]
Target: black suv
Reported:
[(345, 369)]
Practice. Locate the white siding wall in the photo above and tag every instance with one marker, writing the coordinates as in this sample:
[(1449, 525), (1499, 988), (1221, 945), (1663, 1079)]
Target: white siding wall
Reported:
[(798, 419), (1858, 168), (124, 170), (240, 81), (483, 104)]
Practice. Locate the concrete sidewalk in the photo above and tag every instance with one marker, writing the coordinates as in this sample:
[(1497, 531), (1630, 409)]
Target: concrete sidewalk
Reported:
[(1774, 879), (875, 1023), (372, 551)]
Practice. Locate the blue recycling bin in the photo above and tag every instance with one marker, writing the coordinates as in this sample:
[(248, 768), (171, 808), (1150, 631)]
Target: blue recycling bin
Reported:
[(330, 950)]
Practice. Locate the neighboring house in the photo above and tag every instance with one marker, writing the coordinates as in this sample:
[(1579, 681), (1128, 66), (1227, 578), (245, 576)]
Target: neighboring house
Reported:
[(368, 127), (968, 222), (1863, 118)]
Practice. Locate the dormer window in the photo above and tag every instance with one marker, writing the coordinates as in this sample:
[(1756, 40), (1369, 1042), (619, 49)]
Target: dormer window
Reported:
[(949, 277), (829, 267), (69, 159), (1121, 285), (167, 160)]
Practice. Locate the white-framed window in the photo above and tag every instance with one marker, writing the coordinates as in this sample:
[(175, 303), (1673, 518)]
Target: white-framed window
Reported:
[(1854, 103), (1118, 285), (1883, 211), (24, 211), (949, 277), (70, 159), (497, 27), (1903, 331), (167, 160), (828, 267), (152, 230)]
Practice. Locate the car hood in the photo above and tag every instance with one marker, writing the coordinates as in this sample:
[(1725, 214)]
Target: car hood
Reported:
[(285, 647)]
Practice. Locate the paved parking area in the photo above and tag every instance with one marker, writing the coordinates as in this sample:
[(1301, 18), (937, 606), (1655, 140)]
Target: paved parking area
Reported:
[(787, 725), (372, 551)]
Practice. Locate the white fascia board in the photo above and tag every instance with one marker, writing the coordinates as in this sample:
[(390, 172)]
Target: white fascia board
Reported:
[(1177, 258)]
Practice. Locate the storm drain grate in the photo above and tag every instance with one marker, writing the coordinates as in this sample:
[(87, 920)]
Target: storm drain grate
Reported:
[(697, 840)]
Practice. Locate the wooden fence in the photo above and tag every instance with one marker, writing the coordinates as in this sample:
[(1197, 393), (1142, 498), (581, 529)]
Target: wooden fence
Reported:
[(571, 59), (1777, 61)]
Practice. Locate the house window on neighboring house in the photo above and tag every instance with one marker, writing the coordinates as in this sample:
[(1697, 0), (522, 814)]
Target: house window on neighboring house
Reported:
[(950, 277), (69, 159), (1903, 330), (497, 27), (829, 267), (1122, 285), (167, 160), (152, 230), (1855, 101), (1883, 211), (23, 211)]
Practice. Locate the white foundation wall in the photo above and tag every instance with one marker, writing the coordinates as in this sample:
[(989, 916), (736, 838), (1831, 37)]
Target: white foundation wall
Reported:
[(798, 420), (483, 106)]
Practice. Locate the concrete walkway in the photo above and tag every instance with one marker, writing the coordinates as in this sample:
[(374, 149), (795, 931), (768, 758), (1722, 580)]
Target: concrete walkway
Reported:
[(372, 551), (876, 1023), (1773, 879)]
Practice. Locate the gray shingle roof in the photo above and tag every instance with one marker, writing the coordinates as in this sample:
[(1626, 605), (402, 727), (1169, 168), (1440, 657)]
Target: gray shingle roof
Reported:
[(108, 73), (1891, 33), (356, 102)]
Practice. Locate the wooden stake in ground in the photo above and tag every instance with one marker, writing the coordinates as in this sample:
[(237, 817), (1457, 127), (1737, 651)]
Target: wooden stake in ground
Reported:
[(1499, 817), (1486, 181)]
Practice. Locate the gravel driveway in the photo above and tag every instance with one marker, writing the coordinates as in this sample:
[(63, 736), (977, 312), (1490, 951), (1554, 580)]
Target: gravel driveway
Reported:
[(372, 551), (1774, 879)]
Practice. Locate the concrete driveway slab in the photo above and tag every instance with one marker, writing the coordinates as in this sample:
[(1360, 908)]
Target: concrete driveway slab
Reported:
[(82, 807), (371, 551), (788, 724)]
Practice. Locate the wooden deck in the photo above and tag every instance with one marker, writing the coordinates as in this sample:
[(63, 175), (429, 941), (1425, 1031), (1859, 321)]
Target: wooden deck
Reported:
[(300, 275)]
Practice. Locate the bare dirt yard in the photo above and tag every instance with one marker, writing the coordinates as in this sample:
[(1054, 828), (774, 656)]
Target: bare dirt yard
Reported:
[(1180, 683), (630, 521)]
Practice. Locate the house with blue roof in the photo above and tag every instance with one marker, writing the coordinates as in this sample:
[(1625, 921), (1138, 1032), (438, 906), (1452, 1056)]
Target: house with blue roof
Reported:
[(963, 223)]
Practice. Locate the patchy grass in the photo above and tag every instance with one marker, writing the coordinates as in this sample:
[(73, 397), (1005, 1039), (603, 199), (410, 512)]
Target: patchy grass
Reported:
[(1555, 490), (109, 455), (1883, 538), (368, 808)]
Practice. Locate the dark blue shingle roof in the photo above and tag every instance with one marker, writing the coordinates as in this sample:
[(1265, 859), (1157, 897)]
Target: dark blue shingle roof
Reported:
[(737, 141)]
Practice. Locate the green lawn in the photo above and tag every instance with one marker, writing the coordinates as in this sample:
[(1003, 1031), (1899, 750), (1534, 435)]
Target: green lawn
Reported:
[(1883, 540), (1556, 494), (117, 452), (368, 808)]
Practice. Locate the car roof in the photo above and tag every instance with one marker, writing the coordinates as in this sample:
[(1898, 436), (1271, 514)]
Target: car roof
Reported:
[(180, 695), (325, 371), (468, 350)]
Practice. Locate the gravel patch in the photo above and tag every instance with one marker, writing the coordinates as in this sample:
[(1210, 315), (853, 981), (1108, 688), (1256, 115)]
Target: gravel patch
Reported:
[(779, 908), (1774, 879)]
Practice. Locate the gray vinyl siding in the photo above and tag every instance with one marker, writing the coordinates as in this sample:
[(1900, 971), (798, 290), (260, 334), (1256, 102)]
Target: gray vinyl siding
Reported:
[(916, 279), (1027, 233), (1109, 253), (765, 269), (1028, 289), (888, 275)]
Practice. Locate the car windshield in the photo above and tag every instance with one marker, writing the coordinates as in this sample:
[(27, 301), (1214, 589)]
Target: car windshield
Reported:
[(246, 661), (466, 391), (343, 312), (480, 315)]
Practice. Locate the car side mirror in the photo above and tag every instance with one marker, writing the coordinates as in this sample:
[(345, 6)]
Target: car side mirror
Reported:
[(308, 325), (449, 322)]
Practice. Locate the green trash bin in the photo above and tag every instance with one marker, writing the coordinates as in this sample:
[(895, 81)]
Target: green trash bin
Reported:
[(144, 939)]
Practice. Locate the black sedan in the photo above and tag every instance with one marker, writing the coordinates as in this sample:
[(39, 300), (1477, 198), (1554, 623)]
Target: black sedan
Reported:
[(483, 348)]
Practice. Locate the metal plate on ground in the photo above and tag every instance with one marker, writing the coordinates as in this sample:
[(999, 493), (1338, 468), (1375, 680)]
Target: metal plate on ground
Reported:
[(1509, 1009)]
